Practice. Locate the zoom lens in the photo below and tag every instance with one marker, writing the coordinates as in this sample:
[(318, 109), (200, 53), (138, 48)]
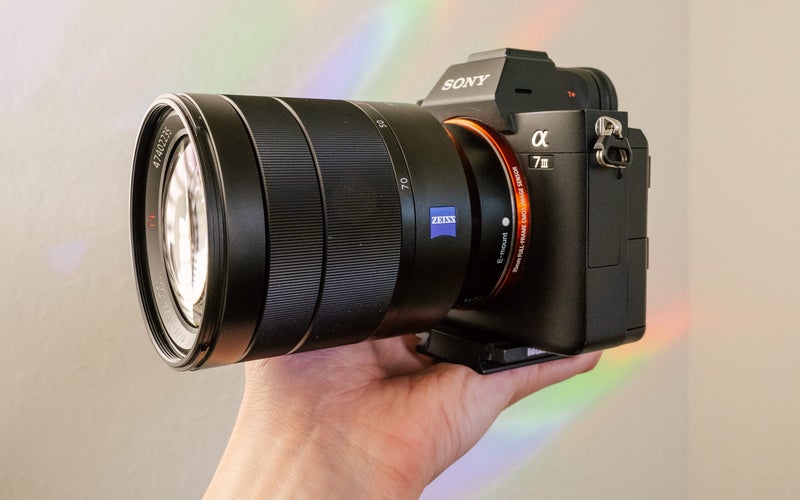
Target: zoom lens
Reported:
[(264, 226)]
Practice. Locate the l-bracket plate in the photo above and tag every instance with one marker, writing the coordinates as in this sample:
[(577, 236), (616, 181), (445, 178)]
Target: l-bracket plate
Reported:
[(483, 357)]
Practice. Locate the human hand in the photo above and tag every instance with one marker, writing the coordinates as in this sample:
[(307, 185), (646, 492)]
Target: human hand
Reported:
[(368, 420)]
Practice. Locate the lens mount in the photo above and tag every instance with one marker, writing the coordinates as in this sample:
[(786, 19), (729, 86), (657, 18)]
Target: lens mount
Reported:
[(501, 210)]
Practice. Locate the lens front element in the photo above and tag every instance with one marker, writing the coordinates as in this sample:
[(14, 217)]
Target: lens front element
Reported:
[(185, 232)]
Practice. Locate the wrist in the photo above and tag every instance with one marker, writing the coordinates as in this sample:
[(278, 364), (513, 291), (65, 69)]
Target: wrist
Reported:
[(280, 451)]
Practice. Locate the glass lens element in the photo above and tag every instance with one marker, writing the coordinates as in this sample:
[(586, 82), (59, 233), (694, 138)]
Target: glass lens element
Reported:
[(185, 237)]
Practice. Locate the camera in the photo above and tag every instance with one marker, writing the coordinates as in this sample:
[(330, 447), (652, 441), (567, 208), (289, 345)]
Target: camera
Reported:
[(503, 219)]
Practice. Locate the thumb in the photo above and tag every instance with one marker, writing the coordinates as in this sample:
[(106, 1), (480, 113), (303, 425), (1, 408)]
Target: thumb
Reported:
[(522, 382), (469, 403)]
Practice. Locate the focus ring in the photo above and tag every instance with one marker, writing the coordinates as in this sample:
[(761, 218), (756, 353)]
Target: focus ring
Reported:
[(294, 225), (362, 221)]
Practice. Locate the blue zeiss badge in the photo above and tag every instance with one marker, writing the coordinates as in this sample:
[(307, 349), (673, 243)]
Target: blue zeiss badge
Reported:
[(443, 222)]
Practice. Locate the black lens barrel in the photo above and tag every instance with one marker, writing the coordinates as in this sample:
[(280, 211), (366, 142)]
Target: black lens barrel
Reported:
[(294, 228), (320, 229), (434, 267), (357, 211), (347, 188)]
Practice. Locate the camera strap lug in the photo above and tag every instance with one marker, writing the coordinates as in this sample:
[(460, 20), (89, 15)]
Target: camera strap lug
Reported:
[(612, 150), (483, 357)]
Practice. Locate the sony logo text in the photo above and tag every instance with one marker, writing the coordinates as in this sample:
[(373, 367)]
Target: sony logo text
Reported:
[(465, 82)]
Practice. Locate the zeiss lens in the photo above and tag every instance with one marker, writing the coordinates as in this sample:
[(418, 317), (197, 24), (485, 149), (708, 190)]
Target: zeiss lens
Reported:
[(264, 226)]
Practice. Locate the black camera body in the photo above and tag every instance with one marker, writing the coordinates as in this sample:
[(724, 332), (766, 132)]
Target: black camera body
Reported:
[(505, 217), (582, 285)]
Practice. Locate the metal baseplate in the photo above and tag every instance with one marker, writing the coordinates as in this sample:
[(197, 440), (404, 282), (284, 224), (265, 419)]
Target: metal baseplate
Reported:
[(482, 356)]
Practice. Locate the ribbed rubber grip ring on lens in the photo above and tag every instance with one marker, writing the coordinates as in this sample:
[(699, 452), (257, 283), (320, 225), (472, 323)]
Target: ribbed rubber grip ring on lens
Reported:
[(362, 221), (294, 225)]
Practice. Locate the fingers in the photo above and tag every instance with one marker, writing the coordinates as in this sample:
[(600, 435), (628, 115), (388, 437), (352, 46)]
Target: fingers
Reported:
[(459, 405), (476, 400), (346, 365), (497, 391), (522, 382), (398, 356)]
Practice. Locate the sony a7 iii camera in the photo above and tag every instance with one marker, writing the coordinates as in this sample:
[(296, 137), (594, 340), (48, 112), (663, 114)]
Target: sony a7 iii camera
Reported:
[(504, 219)]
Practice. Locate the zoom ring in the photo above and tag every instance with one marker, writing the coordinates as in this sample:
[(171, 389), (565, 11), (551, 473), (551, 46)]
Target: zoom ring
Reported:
[(294, 225), (362, 221)]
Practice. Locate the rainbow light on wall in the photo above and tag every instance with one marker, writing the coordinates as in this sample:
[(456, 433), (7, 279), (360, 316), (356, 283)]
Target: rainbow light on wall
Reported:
[(387, 49)]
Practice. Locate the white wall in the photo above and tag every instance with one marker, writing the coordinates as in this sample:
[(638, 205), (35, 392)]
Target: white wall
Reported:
[(88, 410), (745, 290)]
